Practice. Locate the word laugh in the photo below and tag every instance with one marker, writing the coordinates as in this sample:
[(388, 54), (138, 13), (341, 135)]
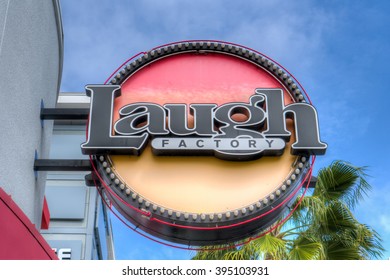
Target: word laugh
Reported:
[(262, 132)]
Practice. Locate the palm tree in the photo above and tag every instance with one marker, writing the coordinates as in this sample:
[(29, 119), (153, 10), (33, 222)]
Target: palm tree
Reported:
[(322, 227)]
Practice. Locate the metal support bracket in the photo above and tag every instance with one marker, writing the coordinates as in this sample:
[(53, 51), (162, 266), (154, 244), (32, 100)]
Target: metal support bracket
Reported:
[(62, 165), (64, 113)]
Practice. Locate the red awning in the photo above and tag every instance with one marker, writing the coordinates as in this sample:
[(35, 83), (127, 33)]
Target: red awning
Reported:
[(19, 239)]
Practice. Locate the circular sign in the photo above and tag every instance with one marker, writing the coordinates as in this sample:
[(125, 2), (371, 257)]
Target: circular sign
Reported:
[(222, 150)]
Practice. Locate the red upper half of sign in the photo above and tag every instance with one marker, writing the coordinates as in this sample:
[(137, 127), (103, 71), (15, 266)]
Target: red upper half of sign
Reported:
[(196, 78)]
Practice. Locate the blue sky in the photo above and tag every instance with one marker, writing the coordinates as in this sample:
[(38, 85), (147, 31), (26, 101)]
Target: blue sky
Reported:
[(338, 50)]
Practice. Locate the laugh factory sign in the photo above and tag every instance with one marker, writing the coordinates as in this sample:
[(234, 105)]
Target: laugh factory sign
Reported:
[(201, 142)]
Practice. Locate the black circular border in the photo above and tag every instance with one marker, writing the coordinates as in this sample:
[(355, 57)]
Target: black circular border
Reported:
[(179, 223)]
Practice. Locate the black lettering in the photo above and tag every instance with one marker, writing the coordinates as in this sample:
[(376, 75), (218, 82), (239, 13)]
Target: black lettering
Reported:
[(137, 118), (269, 142), (165, 142), (305, 121), (306, 129), (140, 121), (255, 118), (182, 144), (234, 143), (100, 139), (276, 125), (203, 119), (198, 143)]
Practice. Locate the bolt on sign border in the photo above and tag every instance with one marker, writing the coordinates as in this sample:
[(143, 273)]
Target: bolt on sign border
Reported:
[(274, 112)]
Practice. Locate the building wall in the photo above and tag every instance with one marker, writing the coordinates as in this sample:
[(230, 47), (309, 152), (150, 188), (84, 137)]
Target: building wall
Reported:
[(80, 227), (31, 50), (31, 56)]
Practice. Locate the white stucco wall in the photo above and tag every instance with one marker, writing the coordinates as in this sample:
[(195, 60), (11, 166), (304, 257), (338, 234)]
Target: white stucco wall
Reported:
[(31, 50)]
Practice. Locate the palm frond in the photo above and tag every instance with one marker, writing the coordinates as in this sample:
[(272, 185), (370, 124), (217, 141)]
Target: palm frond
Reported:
[(341, 251), (339, 218), (216, 252), (306, 248), (369, 242), (268, 247), (322, 227), (240, 254), (311, 208), (346, 238), (342, 181)]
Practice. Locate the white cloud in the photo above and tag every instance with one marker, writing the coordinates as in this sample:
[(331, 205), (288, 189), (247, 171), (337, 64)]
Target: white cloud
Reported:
[(99, 37), (385, 222)]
